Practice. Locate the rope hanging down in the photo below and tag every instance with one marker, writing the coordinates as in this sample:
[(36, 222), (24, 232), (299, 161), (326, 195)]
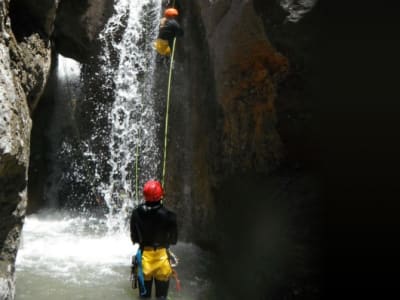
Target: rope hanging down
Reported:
[(166, 126), (137, 161), (167, 113)]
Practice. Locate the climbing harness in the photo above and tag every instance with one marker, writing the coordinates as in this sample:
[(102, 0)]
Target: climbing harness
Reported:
[(174, 261)]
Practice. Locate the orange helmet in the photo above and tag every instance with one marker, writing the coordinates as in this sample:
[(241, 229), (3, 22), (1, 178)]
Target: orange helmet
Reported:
[(153, 191), (171, 12)]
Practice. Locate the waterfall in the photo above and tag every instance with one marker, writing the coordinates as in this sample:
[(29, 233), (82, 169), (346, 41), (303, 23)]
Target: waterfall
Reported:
[(104, 127), (128, 64), (67, 92), (103, 116)]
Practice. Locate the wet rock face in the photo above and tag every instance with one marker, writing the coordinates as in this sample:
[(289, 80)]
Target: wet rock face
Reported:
[(233, 118), (31, 25), (77, 25), (253, 117), (24, 68), (247, 71), (242, 159), (29, 30)]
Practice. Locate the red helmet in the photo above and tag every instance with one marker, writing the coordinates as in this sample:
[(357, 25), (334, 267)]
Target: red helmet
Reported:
[(153, 191), (171, 12)]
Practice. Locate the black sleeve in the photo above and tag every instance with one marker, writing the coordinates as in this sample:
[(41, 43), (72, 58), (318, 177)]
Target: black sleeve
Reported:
[(133, 229)]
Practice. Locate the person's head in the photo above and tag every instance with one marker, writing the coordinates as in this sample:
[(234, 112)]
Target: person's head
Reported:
[(153, 191), (171, 12)]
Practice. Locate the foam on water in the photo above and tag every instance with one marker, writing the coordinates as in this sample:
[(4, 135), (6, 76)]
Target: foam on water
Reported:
[(63, 256), (62, 246)]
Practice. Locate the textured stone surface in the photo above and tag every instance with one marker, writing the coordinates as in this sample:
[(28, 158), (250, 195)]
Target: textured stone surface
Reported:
[(77, 25), (24, 67), (239, 172), (231, 117), (239, 89), (31, 63), (247, 69)]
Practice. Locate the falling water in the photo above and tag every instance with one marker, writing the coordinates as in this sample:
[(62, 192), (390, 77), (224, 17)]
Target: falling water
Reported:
[(128, 62), (75, 255), (67, 92)]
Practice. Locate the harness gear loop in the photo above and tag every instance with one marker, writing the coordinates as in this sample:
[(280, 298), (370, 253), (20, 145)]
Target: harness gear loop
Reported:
[(134, 275), (174, 261)]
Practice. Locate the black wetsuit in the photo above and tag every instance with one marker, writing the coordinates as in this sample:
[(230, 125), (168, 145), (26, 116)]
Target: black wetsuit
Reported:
[(170, 30), (153, 225)]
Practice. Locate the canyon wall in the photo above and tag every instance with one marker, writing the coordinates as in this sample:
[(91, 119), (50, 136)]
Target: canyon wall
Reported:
[(30, 33), (240, 164)]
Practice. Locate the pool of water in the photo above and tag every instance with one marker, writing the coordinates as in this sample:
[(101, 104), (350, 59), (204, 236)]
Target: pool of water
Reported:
[(75, 257)]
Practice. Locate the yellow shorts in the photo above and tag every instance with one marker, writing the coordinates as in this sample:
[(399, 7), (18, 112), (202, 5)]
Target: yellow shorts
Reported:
[(162, 47), (155, 263)]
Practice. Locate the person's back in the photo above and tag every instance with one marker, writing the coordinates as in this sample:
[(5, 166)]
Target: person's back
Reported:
[(153, 225), (154, 228), (169, 29)]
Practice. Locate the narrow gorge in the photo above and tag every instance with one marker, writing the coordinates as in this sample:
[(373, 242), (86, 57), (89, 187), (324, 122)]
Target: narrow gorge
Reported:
[(83, 100)]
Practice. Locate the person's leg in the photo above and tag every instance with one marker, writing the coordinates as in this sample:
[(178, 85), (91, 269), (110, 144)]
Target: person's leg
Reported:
[(162, 274), (148, 285), (161, 289)]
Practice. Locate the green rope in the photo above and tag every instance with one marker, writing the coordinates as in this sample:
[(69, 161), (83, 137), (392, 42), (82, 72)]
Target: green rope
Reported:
[(137, 166), (166, 127), (167, 112)]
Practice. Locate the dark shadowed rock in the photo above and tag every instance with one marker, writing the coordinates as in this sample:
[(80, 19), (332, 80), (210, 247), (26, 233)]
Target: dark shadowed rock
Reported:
[(77, 26), (30, 17)]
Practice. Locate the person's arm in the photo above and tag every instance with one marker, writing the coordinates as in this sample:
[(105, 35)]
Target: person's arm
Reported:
[(133, 229)]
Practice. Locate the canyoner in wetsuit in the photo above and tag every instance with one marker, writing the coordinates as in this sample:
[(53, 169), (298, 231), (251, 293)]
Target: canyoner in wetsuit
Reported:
[(154, 228), (169, 29)]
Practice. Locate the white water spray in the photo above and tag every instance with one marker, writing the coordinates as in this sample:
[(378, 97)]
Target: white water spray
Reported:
[(128, 62), (65, 256), (66, 95)]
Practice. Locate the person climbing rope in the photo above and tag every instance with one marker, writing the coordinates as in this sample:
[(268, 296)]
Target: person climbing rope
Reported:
[(169, 29), (154, 228)]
